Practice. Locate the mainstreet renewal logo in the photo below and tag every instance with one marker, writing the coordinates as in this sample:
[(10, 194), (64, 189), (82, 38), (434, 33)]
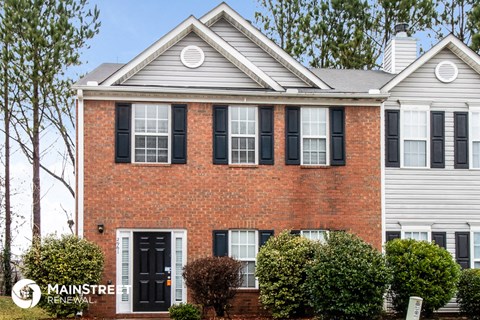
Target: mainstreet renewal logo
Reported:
[(26, 293)]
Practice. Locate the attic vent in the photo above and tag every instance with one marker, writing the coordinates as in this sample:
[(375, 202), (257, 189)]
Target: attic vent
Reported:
[(446, 71), (192, 57)]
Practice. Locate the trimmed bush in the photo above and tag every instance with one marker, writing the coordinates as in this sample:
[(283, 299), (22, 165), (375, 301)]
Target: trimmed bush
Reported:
[(468, 295), (213, 281), (281, 270), (65, 261), (421, 269), (184, 311), (348, 279)]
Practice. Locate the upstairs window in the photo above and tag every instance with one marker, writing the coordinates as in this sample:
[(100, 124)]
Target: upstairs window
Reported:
[(475, 138), (418, 233), (243, 135), (151, 133), (314, 136), (415, 136)]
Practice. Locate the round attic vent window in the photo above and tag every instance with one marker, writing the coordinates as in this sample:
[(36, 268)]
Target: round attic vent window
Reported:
[(446, 71), (192, 57)]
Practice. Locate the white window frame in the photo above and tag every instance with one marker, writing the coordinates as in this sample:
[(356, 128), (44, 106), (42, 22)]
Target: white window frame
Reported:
[(326, 137), (472, 247), (303, 232), (421, 108), (123, 307), (168, 134), (244, 259), (230, 135), (426, 229), (471, 138)]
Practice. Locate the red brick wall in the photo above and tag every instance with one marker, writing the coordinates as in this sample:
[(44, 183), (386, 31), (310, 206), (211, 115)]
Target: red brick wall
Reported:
[(202, 197)]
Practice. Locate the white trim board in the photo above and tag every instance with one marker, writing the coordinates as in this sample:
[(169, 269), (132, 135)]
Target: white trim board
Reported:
[(80, 164)]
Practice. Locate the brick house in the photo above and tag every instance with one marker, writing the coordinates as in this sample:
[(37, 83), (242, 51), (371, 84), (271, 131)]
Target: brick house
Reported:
[(210, 141)]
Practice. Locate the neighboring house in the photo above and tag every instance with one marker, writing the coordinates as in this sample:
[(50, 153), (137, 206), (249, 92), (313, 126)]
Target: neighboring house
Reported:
[(208, 142), (213, 139), (432, 143)]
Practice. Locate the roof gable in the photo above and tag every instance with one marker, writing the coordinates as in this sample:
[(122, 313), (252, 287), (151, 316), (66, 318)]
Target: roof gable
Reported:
[(168, 70), (226, 12), (215, 41), (257, 55), (450, 42)]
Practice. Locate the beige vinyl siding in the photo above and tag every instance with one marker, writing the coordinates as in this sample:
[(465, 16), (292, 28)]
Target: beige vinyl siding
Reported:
[(447, 199), (256, 55), (168, 70)]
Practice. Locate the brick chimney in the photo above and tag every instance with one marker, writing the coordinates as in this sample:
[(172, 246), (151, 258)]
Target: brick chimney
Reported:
[(401, 50)]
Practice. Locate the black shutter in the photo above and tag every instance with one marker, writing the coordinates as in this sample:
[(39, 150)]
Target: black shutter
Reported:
[(437, 136), (123, 114), (392, 138), (295, 232), (292, 135), (461, 140), (220, 134), (220, 243), (440, 238), (391, 235), (179, 133), (337, 136), (264, 236), (266, 135), (462, 249)]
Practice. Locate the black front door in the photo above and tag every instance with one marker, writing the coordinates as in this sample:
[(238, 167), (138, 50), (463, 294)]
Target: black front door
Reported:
[(151, 269)]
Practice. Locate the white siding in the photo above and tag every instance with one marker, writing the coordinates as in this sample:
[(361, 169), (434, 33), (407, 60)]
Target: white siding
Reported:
[(447, 199), (405, 53), (257, 55), (168, 70)]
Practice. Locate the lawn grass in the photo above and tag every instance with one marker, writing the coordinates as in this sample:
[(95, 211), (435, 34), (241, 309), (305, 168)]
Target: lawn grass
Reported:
[(10, 311)]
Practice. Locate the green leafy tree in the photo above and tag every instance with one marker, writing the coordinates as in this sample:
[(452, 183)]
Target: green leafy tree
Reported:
[(65, 261), (468, 295), (281, 270), (461, 18), (48, 38), (340, 34), (348, 279), (473, 26), (421, 269)]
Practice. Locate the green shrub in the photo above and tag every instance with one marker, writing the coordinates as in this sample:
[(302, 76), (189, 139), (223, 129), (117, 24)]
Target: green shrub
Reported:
[(348, 278), (281, 270), (65, 261), (468, 295), (421, 269), (213, 281), (184, 311)]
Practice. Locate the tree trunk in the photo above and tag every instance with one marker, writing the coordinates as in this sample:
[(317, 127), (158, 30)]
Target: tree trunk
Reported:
[(8, 214), (36, 159)]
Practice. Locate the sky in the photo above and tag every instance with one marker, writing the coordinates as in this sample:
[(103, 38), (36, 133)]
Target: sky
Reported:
[(128, 27)]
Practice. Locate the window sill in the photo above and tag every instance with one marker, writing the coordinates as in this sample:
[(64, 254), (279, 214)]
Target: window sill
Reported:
[(248, 290), (140, 164), (307, 166), (243, 166)]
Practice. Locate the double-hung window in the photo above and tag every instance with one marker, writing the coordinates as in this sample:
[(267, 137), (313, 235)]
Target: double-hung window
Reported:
[(417, 233), (475, 138), (317, 235), (151, 124), (314, 127), (244, 247), (243, 135), (476, 249), (415, 136)]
